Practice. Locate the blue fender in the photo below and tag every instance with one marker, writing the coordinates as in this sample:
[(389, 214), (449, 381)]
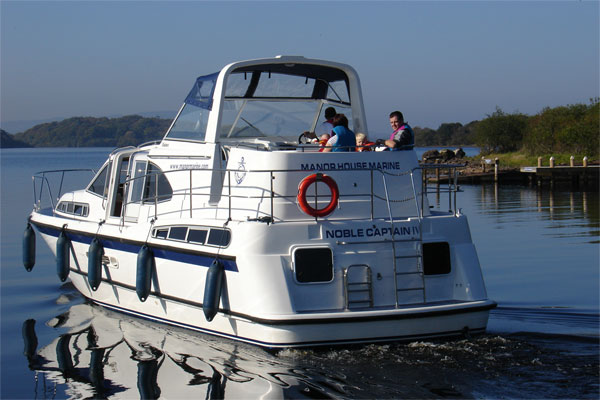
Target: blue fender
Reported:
[(95, 253), (212, 289), (145, 264), (63, 256), (29, 247)]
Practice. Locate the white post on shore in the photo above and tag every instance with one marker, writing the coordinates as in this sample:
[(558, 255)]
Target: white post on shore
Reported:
[(572, 161), (539, 162), (496, 162), (585, 160), (552, 162)]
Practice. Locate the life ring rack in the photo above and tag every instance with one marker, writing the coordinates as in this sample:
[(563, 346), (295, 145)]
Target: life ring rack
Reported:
[(303, 187)]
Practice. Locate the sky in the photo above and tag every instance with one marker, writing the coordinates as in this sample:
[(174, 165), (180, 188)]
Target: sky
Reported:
[(437, 62)]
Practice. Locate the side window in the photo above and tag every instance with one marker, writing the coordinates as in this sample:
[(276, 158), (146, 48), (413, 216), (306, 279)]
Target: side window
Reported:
[(313, 265), (436, 258), (156, 181), (99, 184)]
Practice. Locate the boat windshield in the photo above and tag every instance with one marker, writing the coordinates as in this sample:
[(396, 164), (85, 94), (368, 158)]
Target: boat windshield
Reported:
[(270, 101), (278, 105)]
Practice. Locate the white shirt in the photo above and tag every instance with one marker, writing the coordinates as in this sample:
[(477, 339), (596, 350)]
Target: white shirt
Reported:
[(324, 127)]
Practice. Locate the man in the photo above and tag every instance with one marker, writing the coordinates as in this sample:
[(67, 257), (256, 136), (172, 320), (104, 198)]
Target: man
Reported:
[(327, 125), (402, 138)]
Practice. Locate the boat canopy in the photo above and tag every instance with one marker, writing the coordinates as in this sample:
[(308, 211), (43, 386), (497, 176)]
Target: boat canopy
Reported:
[(274, 100)]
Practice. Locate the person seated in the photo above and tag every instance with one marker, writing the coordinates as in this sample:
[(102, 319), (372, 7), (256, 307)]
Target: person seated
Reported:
[(362, 143), (327, 125), (343, 139), (402, 138), (323, 140), (325, 128)]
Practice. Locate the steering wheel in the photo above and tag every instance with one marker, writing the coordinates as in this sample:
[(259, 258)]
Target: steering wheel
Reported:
[(303, 139)]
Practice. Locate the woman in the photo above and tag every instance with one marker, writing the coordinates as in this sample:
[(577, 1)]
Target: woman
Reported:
[(343, 139)]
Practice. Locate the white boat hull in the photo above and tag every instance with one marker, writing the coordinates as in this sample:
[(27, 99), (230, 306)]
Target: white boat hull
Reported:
[(179, 302)]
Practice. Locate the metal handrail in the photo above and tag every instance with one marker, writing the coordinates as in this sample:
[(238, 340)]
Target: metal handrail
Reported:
[(268, 191), (451, 189), (191, 191), (42, 176)]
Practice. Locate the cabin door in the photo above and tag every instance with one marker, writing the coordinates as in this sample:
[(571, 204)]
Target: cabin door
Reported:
[(135, 190)]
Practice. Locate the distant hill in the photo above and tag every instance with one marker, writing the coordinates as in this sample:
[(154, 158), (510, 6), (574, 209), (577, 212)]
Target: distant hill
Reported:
[(129, 130), (8, 141), (16, 126)]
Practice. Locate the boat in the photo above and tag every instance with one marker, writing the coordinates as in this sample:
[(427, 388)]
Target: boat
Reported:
[(235, 225)]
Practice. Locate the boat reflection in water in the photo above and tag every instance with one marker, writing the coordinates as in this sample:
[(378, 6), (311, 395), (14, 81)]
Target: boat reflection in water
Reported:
[(104, 353)]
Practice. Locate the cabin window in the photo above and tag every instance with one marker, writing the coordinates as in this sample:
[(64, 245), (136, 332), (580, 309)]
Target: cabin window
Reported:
[(178, 233), (197, 236), (99, 184), (436, 258), (313, 265), (79, 209), (147, 179), (219, 237), (161, 233), (156, 180)]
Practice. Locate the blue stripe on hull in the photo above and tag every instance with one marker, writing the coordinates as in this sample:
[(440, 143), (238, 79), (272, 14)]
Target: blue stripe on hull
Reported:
[(163, 253)]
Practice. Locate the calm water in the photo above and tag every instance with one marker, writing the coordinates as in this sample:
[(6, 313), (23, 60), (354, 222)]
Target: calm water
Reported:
[(539, 252)]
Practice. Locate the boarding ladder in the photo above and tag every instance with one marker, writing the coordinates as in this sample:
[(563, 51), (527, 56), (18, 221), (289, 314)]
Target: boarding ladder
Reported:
[(409, 282), (358, 288)]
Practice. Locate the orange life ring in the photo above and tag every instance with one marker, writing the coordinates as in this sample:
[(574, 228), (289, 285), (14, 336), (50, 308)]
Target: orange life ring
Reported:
[(303, 187)]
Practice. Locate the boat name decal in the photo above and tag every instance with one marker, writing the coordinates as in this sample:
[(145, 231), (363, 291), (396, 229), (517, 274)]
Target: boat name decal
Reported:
[(350, 165), (189, 166), (371, 232)]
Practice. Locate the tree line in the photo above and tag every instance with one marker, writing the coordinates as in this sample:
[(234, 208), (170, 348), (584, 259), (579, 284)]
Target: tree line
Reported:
[(566, 129), (571, 129), (130, 130)]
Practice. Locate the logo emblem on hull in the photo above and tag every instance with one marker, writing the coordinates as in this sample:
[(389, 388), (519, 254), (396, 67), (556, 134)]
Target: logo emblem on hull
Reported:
[(240, 174)]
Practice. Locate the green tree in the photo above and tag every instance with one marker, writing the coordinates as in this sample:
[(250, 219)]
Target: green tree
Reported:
[(573, 128), (501, 132)]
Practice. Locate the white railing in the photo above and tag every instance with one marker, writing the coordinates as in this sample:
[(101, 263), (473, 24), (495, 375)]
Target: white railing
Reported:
[(41, 181), (417, 195)]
